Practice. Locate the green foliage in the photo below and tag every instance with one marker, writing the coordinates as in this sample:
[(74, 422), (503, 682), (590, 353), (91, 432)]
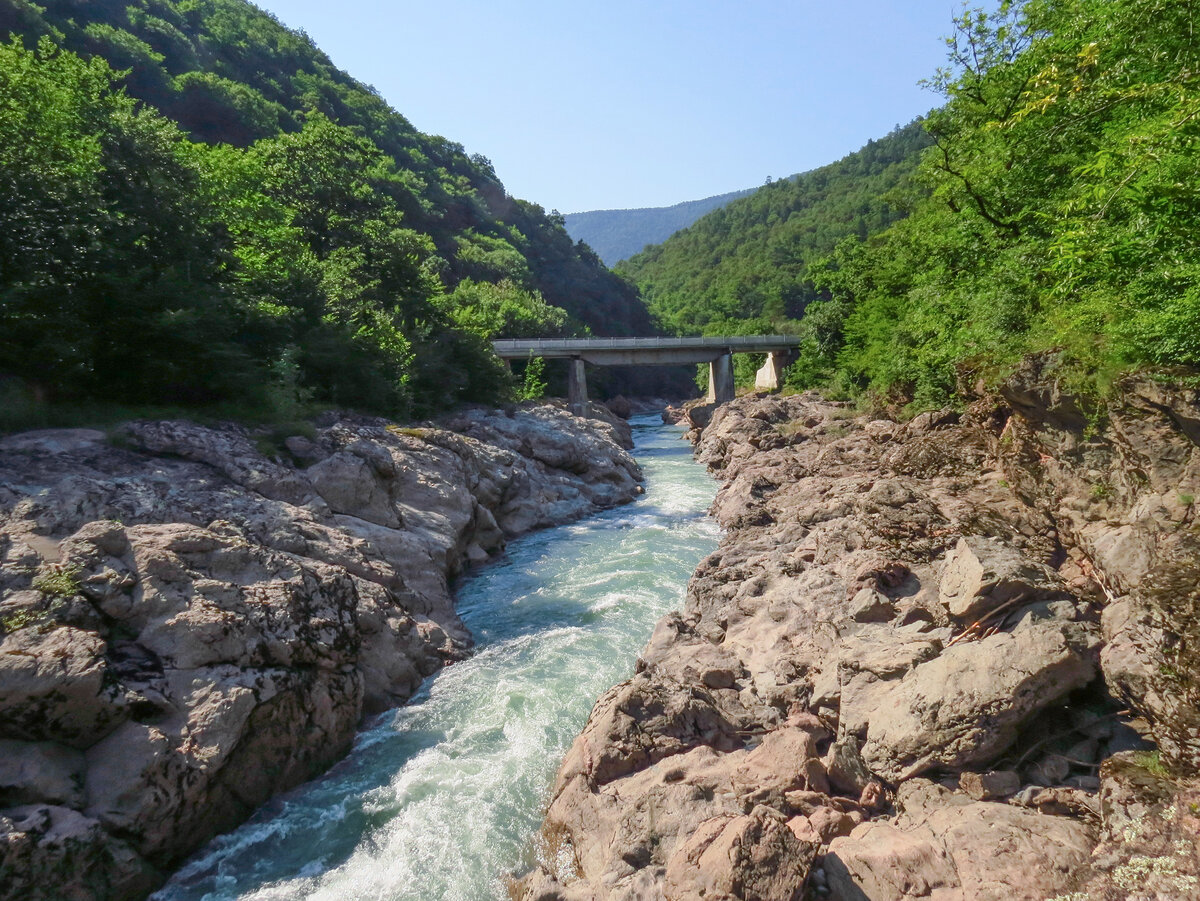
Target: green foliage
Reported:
[(533, 385), (751, 258), (503, 310), (1055, 209), (104, 236), (58, 581), (1151, 762), (1058, 209), (20, 619), (220, 109), (198, 209), (287, 397)]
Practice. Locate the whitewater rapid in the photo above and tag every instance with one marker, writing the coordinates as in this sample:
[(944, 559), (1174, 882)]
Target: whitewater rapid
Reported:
[(442, 798)]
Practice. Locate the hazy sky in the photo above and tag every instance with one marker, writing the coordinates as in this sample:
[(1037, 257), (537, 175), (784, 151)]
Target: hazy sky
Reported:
[(600, 105)]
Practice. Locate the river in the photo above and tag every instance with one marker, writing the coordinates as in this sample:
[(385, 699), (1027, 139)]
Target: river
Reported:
[(441, 798)]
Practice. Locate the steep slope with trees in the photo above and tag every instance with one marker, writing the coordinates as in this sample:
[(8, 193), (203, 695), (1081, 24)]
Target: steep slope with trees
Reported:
[(746, 265), (1058, 212), (199, 208)]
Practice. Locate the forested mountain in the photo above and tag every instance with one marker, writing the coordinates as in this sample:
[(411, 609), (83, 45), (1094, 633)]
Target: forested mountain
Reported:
[(198, 206), (1058, 211), (745, 266), (616, 235)]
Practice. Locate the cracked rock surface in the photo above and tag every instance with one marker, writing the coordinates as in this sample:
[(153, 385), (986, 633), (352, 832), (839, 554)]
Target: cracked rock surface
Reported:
[(189, 625), (917, 648)]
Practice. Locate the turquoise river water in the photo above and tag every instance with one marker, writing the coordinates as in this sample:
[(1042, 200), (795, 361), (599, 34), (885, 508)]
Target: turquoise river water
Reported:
[(441, 798)]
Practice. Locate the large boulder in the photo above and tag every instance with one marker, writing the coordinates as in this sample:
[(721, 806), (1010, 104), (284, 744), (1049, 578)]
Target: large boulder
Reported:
[(738, 858), (949, 848), (982, 574), (965, 706)]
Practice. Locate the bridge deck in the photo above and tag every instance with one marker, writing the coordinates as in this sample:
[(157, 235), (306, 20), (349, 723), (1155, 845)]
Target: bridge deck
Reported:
[(520, 348)]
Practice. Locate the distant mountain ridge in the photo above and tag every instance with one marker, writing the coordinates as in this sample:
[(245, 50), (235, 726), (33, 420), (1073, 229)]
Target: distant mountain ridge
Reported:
[(745, 265), (616, 235)]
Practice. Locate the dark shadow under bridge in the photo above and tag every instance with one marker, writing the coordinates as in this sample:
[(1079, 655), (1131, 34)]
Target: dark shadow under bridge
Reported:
[(717, 352)]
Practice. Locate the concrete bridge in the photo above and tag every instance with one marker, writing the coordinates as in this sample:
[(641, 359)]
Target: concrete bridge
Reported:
[(717, 352)]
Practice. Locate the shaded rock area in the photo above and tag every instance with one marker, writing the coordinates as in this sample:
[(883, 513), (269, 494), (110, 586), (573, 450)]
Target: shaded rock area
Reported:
[(192, 620), (923, 648)]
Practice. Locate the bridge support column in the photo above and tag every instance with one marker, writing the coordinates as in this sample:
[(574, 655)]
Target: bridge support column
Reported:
[(770, 376), (720, 380), (576, 385)]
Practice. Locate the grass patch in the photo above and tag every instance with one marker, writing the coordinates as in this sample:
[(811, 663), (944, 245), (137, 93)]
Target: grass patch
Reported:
[(408, 431), (1151, 762), (19, 620), (58, 581)]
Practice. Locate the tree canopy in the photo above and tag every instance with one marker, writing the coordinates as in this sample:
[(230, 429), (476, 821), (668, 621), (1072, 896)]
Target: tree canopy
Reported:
[(194, 174), (1058, 210), (1049, 204)]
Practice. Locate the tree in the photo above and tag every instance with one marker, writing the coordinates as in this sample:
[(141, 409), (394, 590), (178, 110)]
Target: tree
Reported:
[(103, 237)]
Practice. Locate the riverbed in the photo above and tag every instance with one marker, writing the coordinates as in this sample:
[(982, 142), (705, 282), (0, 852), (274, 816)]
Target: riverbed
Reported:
[(442, 798)]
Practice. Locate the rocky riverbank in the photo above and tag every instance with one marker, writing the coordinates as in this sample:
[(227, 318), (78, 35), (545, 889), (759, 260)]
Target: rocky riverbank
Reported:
[(194, 619), (951, 659)]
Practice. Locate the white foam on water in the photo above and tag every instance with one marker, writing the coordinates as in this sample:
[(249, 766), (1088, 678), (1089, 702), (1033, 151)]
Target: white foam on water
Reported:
[(442, 798)]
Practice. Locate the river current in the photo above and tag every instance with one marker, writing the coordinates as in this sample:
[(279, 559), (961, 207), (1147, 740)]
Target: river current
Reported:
[(442, 797)]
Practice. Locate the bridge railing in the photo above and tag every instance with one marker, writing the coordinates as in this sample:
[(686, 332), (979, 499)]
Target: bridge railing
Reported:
[(744, 343)]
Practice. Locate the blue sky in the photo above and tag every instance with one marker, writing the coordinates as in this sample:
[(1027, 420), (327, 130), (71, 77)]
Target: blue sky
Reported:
[(601, 105)]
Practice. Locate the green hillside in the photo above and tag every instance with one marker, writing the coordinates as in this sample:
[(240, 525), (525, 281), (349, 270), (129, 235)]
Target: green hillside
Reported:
[(616, 235), (1058, 212), (195, 179), (746, 265)]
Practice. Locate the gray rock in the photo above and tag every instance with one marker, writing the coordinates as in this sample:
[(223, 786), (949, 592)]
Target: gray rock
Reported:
[(879, 862), (980, 574), (819, 504), (1130, 793), (990, 785), (871, 606), (752, 856), (40, 773), (965, 706), (1050, 769), (847, 771), (223, 621)]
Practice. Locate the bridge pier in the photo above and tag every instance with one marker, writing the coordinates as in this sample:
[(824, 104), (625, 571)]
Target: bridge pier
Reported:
[(720, 380), (717, 351), (770, 377), (576, 385)]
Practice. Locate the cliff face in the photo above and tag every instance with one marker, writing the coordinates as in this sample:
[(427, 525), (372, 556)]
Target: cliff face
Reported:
[(929, 660), (190, 626)]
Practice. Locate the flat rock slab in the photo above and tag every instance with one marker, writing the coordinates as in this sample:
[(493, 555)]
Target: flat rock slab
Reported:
[(969, 852)]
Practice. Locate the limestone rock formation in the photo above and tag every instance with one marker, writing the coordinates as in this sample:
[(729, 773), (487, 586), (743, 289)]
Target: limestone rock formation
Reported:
[(192, 621), (915, 647)]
